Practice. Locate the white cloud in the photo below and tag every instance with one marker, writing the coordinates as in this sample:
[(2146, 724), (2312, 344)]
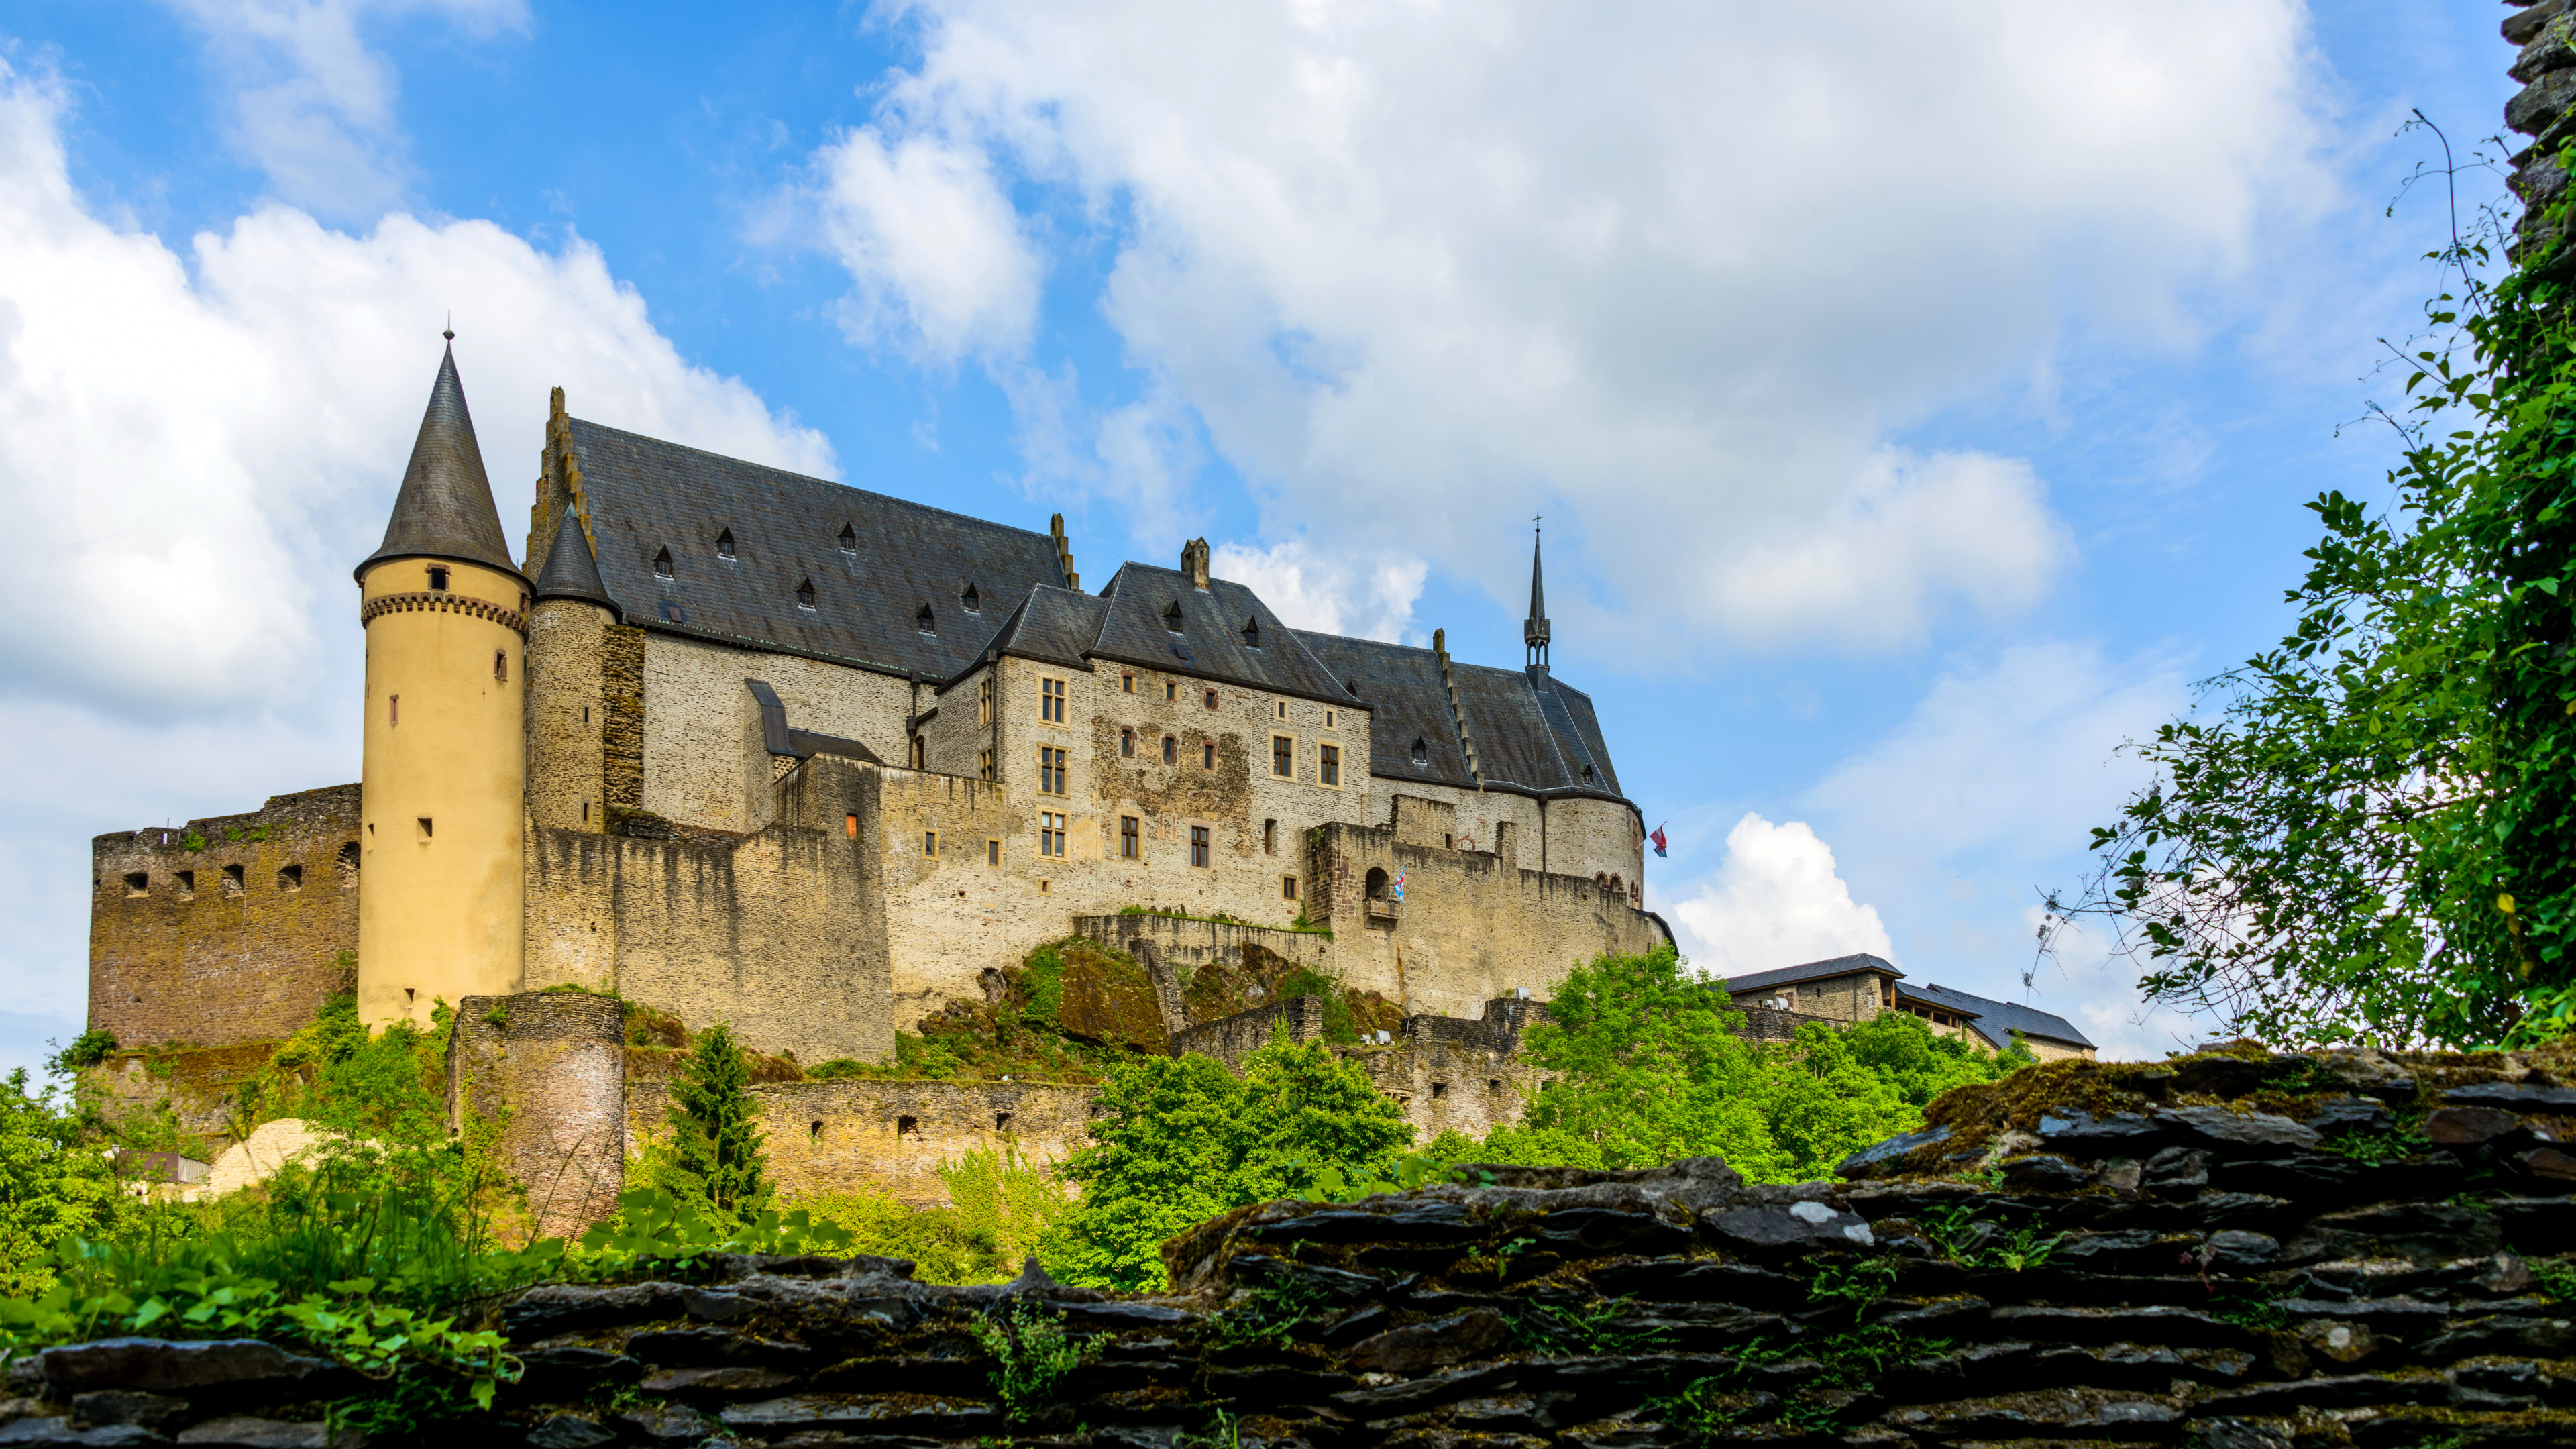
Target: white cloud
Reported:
[(942, 267), (194, 453), (1776, 900), (313, 106), (1370, 596), (1679, 271)]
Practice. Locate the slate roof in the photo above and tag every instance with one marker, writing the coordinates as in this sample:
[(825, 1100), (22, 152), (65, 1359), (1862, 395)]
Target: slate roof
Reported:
[(445, 507), (1211, 642), (1406, 702), (1533, 734), (1811, 971), (645, 495), (1996, 1021), (569, 572), (1053, 626)]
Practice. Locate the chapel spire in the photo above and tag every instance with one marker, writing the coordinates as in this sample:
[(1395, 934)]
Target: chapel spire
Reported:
[(1534, 629), (445, 507)]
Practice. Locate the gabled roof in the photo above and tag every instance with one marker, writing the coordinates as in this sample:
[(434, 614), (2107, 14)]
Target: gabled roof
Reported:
[(1996, 1021), (1406, 702), (1053, 626), (644, 495), (445, 507), (1211, 642), (1812, 971), (1533, 734)]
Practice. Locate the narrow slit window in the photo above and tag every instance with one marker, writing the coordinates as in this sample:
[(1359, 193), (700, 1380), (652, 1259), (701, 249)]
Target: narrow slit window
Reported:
[(393, 709), (930, 843), (1210, 699), (1171, 691), (1127, 683), (993, 853), (1269, 837), (1127, 743), (1207, 757), (1287, 887), (501, 666), (850, 826), (1171, 750)]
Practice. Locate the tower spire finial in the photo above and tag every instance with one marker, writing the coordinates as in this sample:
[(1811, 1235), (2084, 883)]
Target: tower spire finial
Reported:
[(1534, 629), (450, 333)]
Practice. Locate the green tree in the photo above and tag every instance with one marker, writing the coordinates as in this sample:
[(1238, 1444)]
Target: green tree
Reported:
[(714, 1154), (1181, 1139), (52, 1186)]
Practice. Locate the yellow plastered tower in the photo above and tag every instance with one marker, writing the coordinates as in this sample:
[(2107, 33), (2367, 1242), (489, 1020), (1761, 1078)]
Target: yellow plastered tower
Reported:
[(440, 891)]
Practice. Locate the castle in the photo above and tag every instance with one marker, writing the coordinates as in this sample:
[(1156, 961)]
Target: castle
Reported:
[(752, 746)]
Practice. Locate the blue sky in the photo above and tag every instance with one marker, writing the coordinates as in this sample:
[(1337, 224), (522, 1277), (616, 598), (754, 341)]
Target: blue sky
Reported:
[(1920, 396)]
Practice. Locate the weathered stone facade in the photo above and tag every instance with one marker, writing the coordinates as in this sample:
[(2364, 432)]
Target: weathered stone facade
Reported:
[(544, 1074)]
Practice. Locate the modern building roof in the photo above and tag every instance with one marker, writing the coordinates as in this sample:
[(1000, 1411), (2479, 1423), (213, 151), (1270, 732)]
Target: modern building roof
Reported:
[(1996, 1021), (444, 509), (1811, 971)]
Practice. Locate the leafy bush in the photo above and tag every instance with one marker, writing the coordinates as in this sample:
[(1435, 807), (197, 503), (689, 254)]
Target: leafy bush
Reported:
[(1002, 1208), (52, 1188), (87, 1050)]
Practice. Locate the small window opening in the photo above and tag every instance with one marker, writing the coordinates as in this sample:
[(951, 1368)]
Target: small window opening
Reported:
[(411, 994), (662, 564), (1209, 699), (1207, 757), (1127, 743), (814, 1133), (1127, 683), (139, 883), (427, 828), (1448, 842), (724, 544), (805, 594), (585, 812), (1171, 750), (1287, 887), (930, 842), (922, 621), (1421, 752), (1374, 886), (1252, 633), (1171, 691), (187, 884), (438, 578), (1328, 719), (974, 601), (850, 826), (1439, 1089), (992, 852), (1001, 1121), (907, 1126), (1494, 1086), (585, 714), (501, 666), (1269, 837), (1587, 774), (1172, 617), (232, 880), (393, 709), (849, 539), (291, 878)]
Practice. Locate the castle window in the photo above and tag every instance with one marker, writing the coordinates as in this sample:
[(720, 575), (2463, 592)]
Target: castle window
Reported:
[(291, 878), (1050, 834), (1328, 719), (1171, 750), (1282, 709), (427, 829), (1494, 1086), (920, 752), (187, 885), (438, 578), (1207, 757), (1127, 683), (1052, 776), (850, 826), (1051, 701), (1127, 844), (849, 539), (1587, 774), (1421, 751), (1210, 700), (1127, 743), (814, 1133), (138, 883), (1439, 1089), (585, 714), (1283, 756), (393, 709), (805, 594), (1172, 617), (907, 1127), (1198, 845), (232, 881), (974, 601), (984, 700), (1287, 887), (984, 764), (993, 853), (1269, 837), (1328, 765), (922, 621), (1252, 633), (662, 565), (724, 544), (1374, 886), (930, 843), (500, 666), (1001, 1121), (585, 812)]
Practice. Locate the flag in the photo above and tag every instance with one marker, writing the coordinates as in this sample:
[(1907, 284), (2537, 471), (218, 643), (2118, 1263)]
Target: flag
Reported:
[(1658, 838), (1399, 887)]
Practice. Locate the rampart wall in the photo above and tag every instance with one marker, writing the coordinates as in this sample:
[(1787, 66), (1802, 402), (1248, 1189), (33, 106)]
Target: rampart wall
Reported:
[(545, 1074), (239, 939)]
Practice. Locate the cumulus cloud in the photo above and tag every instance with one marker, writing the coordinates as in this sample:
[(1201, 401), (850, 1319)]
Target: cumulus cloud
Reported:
[(1333, 593), (313, 107), (944, 271), (1681, 272), (1776, 900)]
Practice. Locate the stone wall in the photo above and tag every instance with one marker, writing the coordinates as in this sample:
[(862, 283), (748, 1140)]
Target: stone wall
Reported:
[(1771, 1024), (238, 940), (700, 729), (839, 1137), (2547, 69), (1448, 1074), (1188, 943), (545, 1074), (2215, 1253)]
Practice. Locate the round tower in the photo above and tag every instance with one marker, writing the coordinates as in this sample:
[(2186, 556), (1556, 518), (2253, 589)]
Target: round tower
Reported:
[(440, 888)]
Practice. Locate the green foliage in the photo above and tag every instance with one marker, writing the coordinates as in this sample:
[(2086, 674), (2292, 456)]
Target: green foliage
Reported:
[(1020, 1036), (1269, 1314), (1649, 1068), (389, 1086), (1849, 1353), (1002, 1207), (659, 1233), (1032, 1356), (1591, 1330), (713, 1157), (2556, 1277), (1337, 1182), (1180, 1139), (192, 842), (87, 1050), (1975, 1243), (53, 1189)]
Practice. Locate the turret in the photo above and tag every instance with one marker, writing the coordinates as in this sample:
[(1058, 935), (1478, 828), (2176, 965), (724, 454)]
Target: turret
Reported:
[(568, 683), (1534, 628), (440, 891)]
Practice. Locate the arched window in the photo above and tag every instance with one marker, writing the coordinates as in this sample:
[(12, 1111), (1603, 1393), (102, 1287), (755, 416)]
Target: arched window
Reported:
[(923, 622), (724, 544), (1374, 887), (1172, 617), (805, 594), (662, 564), (849, 539)]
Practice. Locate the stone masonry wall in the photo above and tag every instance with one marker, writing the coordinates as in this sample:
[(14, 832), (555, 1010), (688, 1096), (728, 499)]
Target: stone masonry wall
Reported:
[(829, 1138), (239, 940), (2215, 1252), (700, 727), (1188, 943), (546, 1073), (1448, 1074)]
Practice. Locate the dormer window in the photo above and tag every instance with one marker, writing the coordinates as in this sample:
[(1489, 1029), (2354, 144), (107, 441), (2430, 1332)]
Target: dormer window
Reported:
[(1587, 774), (973, 600), (849, 539), (1252, 633), (724, 544), (1172, 617), (923, 621), (1421, 751), (438, 579), (805, 594), (662, 564)]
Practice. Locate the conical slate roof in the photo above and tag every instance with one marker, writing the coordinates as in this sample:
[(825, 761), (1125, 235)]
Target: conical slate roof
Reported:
[(570, 572), (445, 507)]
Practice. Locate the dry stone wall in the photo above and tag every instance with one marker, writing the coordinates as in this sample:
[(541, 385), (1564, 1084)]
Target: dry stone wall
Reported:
[(2235, 1251)]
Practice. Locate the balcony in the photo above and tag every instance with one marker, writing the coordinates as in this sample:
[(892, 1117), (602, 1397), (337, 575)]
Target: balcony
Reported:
[(1379, 908)]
